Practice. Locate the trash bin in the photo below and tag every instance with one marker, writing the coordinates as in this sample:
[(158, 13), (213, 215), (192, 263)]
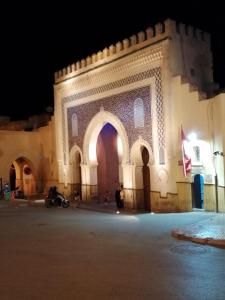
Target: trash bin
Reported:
[(7, 196)]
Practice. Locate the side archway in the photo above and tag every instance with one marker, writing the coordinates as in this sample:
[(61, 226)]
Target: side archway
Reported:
[(23, 176), (135, 153), (142, 158), (75, 162)]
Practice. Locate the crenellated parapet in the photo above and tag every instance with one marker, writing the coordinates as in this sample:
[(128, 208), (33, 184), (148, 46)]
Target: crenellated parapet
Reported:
[(152, 35)]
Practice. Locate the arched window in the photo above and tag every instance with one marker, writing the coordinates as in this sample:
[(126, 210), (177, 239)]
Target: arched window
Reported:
[(74, 122), (138, 113), (161, 156), (197, 157)]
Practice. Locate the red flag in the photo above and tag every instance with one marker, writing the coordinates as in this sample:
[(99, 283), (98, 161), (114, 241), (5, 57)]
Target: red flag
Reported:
[(186, 159)]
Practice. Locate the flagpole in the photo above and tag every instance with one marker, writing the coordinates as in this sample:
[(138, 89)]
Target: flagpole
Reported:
[(185, 158), (182, 149)]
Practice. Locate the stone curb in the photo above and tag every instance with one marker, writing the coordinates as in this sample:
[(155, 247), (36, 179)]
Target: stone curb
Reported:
[(180, 234)]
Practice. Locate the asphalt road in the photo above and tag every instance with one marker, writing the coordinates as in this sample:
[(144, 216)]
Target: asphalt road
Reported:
[(72, 253)]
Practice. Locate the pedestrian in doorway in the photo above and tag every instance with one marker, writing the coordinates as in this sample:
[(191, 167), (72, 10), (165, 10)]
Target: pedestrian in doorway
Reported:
[(122, 196), (117, 199)]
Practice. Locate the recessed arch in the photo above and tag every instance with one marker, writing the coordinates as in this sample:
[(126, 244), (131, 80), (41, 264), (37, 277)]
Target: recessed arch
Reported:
[(25, 179), (138, 113), (73, 150), (75, 161), (92, 133), (136, 152), (141, 159), (16, 157), (74, 125)]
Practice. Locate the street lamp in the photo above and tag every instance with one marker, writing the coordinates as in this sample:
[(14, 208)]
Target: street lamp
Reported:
[(216, 179)]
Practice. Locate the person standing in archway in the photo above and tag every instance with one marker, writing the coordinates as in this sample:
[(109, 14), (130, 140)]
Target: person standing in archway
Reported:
[(117, 199), (122, 196)]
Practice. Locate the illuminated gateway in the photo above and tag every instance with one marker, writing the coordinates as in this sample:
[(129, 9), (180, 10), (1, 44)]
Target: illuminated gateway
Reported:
[(118, 117)]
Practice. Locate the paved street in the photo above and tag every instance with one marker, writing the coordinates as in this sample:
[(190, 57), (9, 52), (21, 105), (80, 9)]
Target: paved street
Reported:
[(73, 253)]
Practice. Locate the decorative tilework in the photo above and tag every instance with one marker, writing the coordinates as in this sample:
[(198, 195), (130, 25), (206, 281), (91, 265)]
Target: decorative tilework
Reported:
[(159, 109), (156, 72), (115, 105)]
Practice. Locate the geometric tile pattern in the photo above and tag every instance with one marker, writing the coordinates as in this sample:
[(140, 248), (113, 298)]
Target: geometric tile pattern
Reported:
[(115, 105), (155, 72), (159, 109)]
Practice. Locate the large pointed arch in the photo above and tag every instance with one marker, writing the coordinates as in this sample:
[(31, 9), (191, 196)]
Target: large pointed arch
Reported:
[(93, 130)]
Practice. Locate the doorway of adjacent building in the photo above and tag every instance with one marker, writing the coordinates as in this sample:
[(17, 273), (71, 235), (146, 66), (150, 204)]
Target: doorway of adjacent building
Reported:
[(21, 177), (146, 179), (198, 192), (108, 162)]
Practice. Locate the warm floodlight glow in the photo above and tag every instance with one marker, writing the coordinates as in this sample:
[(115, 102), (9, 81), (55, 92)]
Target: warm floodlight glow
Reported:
[(119, 146), (187, 148), (64, 171), (192, 136), (92, 152)]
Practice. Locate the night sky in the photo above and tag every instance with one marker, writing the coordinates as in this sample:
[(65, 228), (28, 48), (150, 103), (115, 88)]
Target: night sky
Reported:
[(38, 40)]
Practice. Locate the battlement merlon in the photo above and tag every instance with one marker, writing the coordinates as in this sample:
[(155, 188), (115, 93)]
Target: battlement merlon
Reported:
[(167, 29)]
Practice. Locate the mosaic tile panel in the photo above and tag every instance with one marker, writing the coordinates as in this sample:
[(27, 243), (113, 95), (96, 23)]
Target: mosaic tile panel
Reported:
[(156, 72), (115, 105)]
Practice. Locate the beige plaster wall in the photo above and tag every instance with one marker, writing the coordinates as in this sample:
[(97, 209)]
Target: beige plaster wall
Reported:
[(48, 155), (37, 148), (16, 144)]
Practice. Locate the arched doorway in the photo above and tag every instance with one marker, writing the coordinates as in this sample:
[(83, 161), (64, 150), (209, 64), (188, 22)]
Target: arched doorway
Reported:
[(90, 161), (108, 161), (76, 160), (22, 176), (12, 177), (198, 192), (141, 158), (146, 178)]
